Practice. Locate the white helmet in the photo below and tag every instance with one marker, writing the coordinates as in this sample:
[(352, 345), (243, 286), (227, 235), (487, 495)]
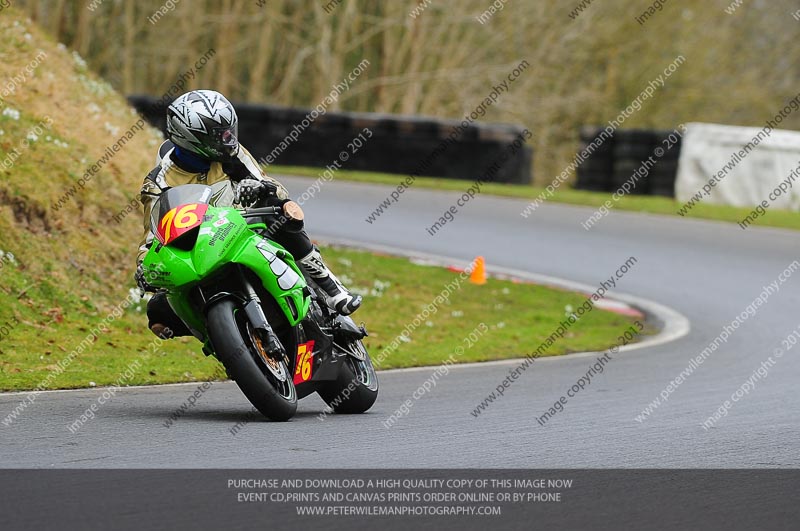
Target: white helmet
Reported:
[(205, 123)]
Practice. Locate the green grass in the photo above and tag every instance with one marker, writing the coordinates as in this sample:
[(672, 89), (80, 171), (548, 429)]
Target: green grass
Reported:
[(52, 325), (517, 317), (633, 203)]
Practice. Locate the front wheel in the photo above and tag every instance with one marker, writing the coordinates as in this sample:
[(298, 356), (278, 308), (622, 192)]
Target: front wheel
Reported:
[(266, 382), (356, 388)]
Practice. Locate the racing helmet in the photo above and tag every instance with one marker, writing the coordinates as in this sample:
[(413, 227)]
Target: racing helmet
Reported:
[(204, 123)]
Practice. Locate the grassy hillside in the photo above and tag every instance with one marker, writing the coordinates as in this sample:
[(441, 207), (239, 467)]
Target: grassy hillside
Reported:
[(71, 266)]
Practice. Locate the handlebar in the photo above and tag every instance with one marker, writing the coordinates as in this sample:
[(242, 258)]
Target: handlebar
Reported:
[(262, 211), (284, 220)]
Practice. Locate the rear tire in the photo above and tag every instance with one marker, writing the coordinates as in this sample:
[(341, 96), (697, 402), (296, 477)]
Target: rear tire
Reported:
[(235, 347), (356, 388)]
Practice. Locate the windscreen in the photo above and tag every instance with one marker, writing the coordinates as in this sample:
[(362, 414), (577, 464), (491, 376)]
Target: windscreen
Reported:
[(178, 211)]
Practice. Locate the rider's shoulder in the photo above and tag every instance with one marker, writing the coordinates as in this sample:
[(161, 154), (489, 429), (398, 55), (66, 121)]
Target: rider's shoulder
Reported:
[(244, 150), (154, 181), (157, 178), (244, 154), (163, 150)]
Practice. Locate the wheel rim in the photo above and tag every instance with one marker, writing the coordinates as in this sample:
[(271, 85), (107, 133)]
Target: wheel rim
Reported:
[(275, 371), (363, 370)]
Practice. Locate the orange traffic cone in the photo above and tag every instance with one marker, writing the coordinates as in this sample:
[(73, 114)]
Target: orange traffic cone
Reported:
[(478, 274)]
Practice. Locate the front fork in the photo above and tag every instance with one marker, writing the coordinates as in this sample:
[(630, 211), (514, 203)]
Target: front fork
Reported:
[(255, 314)]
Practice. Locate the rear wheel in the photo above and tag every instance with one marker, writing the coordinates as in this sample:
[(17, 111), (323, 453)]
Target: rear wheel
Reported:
[(266, 382), (356, 389)]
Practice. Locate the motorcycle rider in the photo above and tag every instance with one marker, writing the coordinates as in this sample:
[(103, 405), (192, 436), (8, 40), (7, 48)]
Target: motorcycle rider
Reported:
[(203, 148)]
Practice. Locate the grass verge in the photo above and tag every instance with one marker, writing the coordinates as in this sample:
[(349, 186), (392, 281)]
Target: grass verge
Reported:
[(517, 317), (633, 203)]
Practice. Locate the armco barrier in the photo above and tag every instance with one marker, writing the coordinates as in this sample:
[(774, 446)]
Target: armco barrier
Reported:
[(615, 161), (399, 143)]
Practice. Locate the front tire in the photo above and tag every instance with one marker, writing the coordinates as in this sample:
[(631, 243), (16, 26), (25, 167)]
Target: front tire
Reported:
[(356, 388), (237, 347)]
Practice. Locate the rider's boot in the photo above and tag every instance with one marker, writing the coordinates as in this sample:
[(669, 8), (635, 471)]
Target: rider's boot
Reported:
[(338, 298)]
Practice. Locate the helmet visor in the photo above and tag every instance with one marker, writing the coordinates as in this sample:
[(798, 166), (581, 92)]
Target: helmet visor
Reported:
[(221, 142)]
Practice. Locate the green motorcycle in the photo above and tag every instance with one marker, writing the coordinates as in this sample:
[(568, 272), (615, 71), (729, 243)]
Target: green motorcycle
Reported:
[(246, 299)]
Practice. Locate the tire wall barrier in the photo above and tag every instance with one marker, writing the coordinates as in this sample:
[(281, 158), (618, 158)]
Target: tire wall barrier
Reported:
[(399, 144), (618, 157)]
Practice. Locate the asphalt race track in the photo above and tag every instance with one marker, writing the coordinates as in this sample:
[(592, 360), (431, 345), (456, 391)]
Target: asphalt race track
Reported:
[(709, 272)]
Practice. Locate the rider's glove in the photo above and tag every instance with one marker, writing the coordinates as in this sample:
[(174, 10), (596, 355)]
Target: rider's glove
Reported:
[(250, 192), (144, 287)]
